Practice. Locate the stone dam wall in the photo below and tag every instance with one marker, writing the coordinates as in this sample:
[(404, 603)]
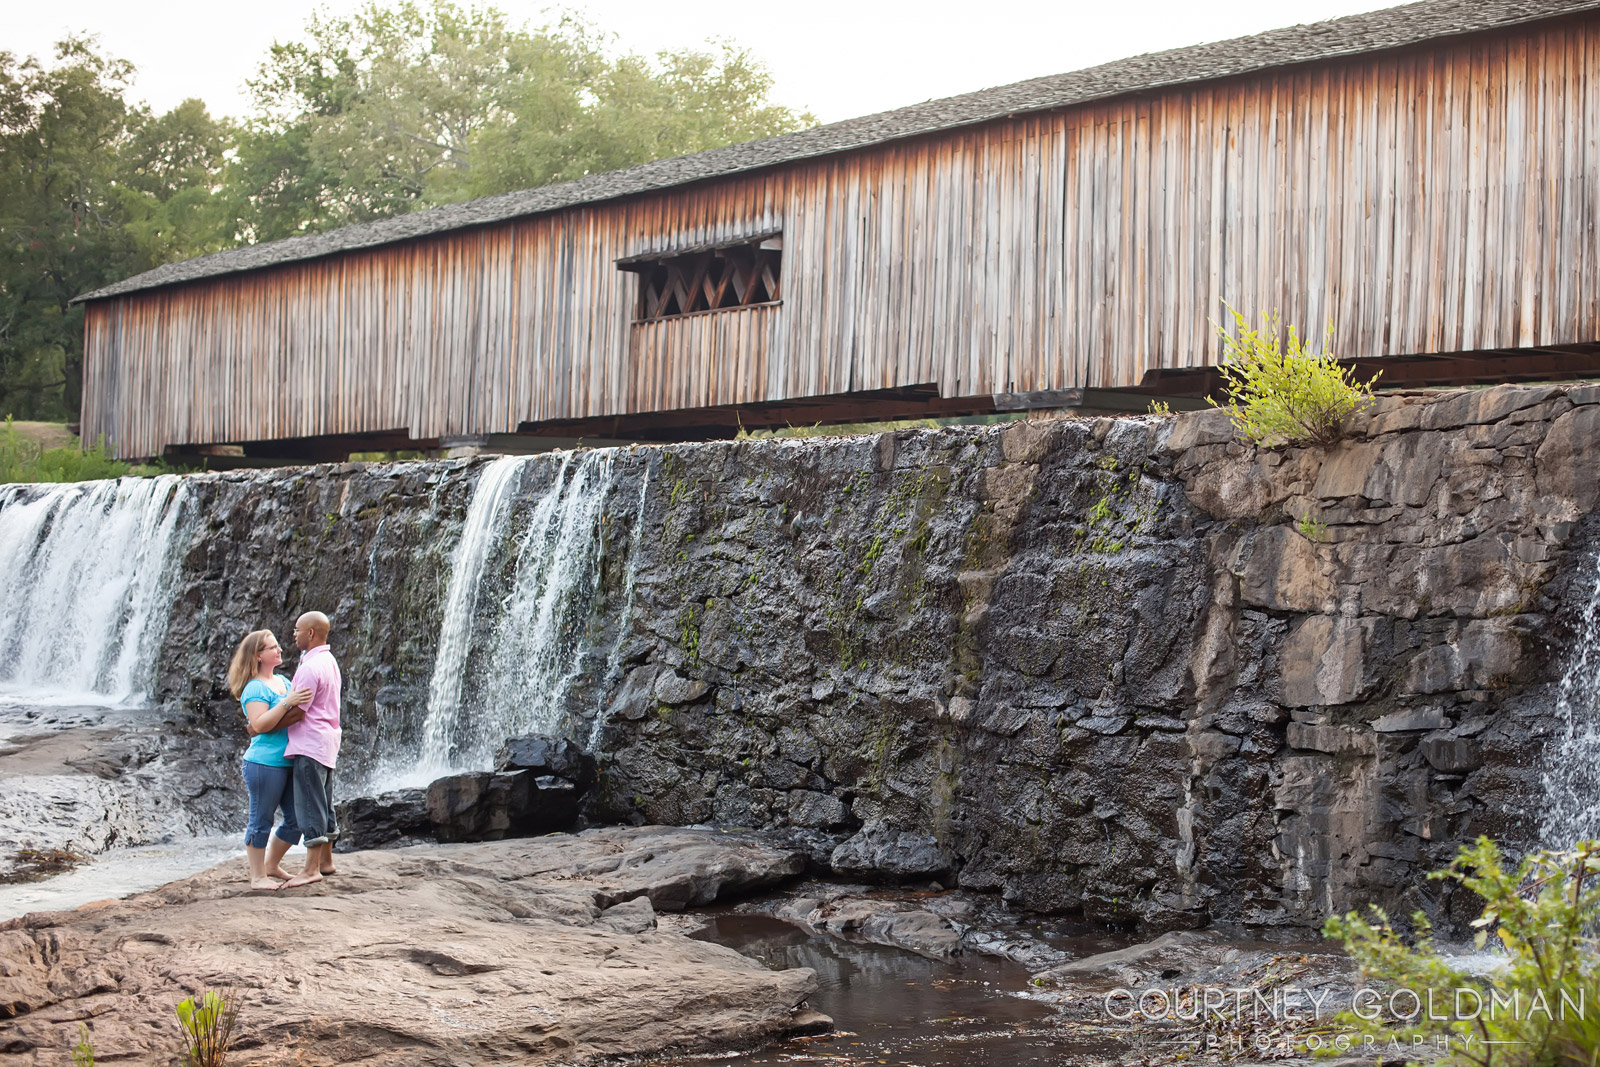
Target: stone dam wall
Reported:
[(1090, 665)]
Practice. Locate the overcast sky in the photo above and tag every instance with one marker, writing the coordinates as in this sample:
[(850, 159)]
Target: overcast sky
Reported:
[(839, 58)]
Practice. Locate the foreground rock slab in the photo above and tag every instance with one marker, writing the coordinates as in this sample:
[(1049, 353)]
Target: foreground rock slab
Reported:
[(542, 949)]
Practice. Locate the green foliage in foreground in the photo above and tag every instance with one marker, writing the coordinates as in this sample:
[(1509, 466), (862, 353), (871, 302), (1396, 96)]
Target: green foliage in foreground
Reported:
[(207, 1025), (24, 460), (1281, 395), (83, 1051), (1542, 1009)]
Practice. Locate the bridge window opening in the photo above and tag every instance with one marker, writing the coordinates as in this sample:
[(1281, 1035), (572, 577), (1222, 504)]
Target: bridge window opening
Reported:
[(712, 279)]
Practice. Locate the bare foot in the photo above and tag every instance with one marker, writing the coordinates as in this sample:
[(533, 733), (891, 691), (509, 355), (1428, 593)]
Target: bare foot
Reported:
[(301, 879), (280, 874), (267, 882), (329, 869)]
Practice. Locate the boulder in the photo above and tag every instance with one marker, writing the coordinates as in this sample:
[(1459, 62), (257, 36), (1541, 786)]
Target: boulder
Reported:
[(558, 756), (634, 916), (489, 806), (386, 819), (882, 853), (885, 922), (1166, 957)]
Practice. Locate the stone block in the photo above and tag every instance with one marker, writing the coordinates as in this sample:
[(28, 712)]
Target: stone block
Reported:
[(672, 688), (1450, 754), (490, 806), (636, 696), (634, 916), (372, 822), (1471, 578), (1324, 660), (1212, 745), (1395, 414), (1285, 572), (1398, 469), (543, 755), (1479, 406), (1025, 440), (1481, 654), (810, 808), (1307, 784), (1191, 428), (1429, 718), (1250, 484), (1345, 470), (883, 853), (1564, 465), (1334, 740)]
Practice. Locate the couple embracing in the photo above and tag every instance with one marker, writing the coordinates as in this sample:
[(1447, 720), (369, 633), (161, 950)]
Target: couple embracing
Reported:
[(289, 764)]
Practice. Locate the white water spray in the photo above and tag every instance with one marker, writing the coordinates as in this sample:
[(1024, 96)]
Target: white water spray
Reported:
[(507, 659), (1572, 758), (90, 568)]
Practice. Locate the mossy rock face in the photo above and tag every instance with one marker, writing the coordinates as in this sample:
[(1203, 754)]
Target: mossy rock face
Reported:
[(1091, 658)]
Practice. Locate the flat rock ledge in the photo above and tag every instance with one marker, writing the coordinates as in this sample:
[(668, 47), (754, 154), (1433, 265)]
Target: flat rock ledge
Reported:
[(542, 949)]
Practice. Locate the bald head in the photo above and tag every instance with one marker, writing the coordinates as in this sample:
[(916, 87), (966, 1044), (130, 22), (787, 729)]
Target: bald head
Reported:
[(311, 630)]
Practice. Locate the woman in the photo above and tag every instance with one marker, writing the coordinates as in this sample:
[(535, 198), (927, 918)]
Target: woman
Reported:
[(269, 708)]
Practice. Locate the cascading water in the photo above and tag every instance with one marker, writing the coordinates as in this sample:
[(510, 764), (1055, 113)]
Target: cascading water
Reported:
[(522, 582), (1572, 758), (487, 515), (90, 570)]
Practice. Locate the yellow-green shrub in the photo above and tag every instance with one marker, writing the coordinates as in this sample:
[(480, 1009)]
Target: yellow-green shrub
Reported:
[(1543, 913), (1281, 395)]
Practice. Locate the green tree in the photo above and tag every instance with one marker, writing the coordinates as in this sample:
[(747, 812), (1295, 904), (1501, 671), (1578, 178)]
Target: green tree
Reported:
[(61, 128), (372, 115), (394, 109), (91, 191)]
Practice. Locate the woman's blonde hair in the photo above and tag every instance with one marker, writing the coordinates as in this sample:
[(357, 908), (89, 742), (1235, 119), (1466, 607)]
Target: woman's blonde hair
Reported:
[(246, 661)]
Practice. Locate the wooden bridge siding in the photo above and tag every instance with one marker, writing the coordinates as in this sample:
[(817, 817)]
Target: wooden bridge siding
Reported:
[(1442, 200)]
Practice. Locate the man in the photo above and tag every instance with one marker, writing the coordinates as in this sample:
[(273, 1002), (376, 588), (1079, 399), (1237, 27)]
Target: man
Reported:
[(313, 745)]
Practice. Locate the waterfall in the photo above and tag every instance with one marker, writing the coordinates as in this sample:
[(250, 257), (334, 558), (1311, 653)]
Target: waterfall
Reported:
[(522, 582), (487, 515), (90, 572), (1572, 759)]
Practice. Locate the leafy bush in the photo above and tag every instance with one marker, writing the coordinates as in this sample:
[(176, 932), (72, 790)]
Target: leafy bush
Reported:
[(1285, 396), (207, 1027), (1543, 913), (25, 460)]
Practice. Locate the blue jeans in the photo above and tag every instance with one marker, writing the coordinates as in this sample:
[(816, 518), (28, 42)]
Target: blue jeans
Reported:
[(270, 788), (313, 795)]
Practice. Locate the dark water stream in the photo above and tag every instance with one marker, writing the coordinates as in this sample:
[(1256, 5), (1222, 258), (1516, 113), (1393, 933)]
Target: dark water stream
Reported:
[(895, 1007)]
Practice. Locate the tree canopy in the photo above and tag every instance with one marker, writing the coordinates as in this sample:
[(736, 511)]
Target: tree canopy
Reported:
[(389, 110)]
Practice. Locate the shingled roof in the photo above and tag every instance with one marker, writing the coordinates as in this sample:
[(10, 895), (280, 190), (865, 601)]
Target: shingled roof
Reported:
[(1355, 34)]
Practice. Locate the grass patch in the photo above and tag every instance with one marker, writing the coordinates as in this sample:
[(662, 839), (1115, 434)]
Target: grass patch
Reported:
[(46, 452)]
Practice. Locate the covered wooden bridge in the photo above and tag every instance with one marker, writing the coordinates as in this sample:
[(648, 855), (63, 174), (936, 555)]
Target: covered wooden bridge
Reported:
[(1424, 178)]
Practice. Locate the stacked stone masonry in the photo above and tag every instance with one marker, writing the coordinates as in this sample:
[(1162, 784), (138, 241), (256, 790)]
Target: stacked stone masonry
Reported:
[(1129, 667)]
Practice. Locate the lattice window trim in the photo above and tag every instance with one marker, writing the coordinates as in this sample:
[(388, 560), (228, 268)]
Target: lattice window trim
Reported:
[(725, 277)]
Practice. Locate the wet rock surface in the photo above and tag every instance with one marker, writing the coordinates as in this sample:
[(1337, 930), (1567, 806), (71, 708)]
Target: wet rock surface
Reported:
[(1095, 661), (539, 949), (388, 820), (538, 788), (81, 780)]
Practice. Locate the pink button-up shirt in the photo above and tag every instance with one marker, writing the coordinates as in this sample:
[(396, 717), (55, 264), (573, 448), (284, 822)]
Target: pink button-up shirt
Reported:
[(318, 734)]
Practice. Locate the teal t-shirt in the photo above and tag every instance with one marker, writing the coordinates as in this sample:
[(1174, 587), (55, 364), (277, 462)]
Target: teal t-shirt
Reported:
[(267, 748)]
